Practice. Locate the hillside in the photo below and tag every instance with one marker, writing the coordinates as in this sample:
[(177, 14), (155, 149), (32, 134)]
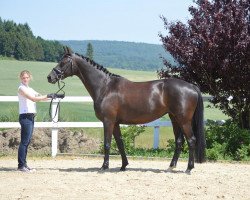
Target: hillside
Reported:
[(124, 55), (18, 41)]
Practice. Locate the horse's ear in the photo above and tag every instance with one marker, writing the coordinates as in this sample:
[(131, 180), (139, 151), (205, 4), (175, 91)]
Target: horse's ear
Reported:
[(69, 51), (65, 50)]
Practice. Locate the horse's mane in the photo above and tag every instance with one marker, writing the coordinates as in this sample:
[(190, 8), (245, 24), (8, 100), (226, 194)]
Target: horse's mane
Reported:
[(97, 66)]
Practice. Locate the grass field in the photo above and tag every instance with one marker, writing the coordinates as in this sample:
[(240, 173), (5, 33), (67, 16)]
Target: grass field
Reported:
[(10, 69), (9, 81)]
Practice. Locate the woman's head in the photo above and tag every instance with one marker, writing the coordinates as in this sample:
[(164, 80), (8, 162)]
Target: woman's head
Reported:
[(25, 77)]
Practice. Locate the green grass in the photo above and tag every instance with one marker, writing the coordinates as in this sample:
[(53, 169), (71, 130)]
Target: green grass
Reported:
[(84, 112), (10, 69)]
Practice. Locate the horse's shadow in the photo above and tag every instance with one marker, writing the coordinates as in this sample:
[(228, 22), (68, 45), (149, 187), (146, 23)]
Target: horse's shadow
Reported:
[(97, 170), (117, 170)]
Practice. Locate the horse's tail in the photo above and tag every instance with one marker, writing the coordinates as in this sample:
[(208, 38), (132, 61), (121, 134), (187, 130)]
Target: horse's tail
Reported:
[(198, 129)]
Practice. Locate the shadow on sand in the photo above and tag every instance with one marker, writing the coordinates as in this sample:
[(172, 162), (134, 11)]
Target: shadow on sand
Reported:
[(95, 169), (117, 170), (7, 169)]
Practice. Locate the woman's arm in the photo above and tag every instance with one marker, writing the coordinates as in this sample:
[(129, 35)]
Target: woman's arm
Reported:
[(34, 99)]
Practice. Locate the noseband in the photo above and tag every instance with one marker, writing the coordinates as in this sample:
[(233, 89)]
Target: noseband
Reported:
[(59, 73)]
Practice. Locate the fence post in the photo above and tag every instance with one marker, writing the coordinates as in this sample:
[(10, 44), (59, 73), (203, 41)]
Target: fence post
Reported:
[(54, 130), (156, 137)]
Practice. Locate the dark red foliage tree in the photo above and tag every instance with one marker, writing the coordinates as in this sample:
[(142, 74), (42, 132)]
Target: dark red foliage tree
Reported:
[(213, 51)]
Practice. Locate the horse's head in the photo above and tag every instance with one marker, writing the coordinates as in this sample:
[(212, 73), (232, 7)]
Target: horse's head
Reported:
[(64, 68)]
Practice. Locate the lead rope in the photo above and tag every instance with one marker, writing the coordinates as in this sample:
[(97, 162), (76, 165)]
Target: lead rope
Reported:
[(58, 104)]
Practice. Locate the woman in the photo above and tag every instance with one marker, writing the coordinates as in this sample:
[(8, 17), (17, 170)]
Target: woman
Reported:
[(27, 110)]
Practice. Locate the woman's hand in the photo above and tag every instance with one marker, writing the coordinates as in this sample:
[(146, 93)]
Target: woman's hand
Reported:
[(54, 96)]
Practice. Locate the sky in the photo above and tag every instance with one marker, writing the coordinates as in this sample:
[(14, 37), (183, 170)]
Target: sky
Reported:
[(120, 20)]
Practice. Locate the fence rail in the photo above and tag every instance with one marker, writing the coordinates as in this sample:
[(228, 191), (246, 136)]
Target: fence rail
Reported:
[(56, 125)]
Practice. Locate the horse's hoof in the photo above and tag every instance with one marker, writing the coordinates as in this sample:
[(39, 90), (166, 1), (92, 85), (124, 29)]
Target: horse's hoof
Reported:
[(123, 168), (170, 169), (188, 171), (103, 168)]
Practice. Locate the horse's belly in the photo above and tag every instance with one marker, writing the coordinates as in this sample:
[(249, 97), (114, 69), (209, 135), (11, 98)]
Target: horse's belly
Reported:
[(140, 116)]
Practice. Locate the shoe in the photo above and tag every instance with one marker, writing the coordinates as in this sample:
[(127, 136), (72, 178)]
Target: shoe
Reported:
[(30, 169), (23, 169)]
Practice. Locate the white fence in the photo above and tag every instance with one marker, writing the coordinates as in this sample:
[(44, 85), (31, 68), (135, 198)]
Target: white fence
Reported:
[(56, 125)]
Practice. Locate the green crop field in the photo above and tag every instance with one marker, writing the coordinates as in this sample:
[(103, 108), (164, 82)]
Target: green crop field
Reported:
[(9, 81)]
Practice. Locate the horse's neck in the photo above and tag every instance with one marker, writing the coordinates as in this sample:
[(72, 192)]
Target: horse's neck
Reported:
[(93, 79)]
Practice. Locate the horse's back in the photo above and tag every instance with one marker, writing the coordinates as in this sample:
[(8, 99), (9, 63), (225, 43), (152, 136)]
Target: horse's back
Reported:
[(161, 92)]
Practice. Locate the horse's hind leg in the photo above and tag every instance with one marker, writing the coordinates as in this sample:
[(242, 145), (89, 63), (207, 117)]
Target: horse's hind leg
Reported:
[(191, 140), (179, 141), (120, 145)]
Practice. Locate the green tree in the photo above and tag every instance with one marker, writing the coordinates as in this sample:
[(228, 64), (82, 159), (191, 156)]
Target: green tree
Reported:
[(90, 51), (17, 40)]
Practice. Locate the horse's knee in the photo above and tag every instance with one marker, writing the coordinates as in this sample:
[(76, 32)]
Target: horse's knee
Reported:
[(179, 143), (107, 146), (191, 142)]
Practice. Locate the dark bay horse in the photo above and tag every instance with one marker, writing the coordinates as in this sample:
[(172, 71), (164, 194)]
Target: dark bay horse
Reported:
[(120, 101)]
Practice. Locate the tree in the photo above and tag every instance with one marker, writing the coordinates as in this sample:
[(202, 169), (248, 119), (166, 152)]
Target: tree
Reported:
[(213, 51), (90, 51), (18, 41)]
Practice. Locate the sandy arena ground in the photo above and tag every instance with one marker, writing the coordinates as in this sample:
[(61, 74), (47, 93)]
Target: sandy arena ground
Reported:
[(79, 178)]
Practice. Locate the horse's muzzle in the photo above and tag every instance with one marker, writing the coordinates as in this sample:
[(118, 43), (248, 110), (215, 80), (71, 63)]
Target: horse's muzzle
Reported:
[(50, 80)]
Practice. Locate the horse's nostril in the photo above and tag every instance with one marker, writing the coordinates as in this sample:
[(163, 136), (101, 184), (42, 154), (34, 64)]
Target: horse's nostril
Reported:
[(49, 78)]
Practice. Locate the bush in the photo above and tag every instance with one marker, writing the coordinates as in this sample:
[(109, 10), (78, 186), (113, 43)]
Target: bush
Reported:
[(216, 152), (171, 147), (243, 153), (227, 140), (212, 154)]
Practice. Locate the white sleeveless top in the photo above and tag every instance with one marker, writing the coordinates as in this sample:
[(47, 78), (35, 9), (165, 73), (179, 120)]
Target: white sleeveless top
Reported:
[(26, 105)]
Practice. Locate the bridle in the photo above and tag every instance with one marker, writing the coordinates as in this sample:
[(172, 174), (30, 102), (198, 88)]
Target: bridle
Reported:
[(59, 73)]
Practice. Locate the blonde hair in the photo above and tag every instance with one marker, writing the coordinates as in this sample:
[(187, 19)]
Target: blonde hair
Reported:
[(25, 72)]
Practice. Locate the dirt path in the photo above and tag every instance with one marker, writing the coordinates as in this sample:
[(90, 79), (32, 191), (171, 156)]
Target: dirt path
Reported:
[(78, 178)]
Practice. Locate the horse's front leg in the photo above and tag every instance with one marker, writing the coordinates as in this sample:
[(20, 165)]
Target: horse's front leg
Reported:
[(120, 145), (108, 130)]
